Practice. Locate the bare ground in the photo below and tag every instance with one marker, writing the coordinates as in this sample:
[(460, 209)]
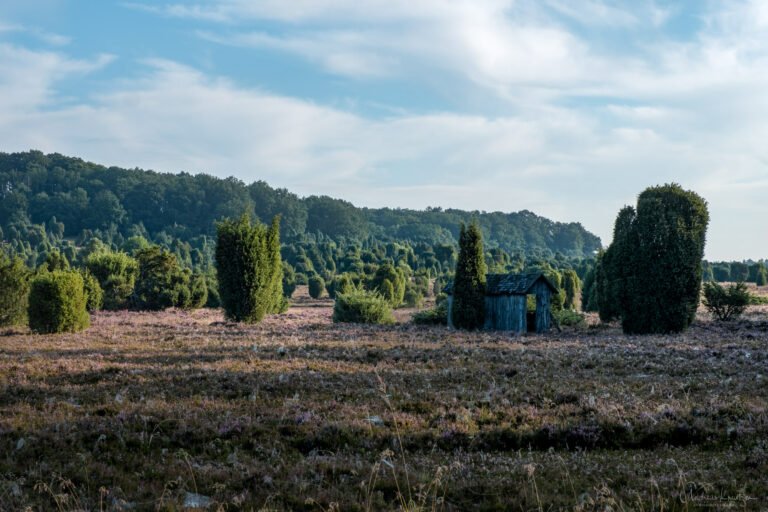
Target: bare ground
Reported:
[(146, 411)]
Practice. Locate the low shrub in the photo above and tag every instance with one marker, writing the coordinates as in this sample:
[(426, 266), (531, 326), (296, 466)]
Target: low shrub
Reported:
[(726, 303), (569, 318), (435, 316), (362, 306), (57, 303)]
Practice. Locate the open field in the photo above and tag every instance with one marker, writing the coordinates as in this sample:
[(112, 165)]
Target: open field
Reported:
[(142, 410)]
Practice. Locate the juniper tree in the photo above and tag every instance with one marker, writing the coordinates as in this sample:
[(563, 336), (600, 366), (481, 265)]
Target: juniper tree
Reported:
[(468, 310), (652, 271), (58, 303), (14, 290), (249, 269)]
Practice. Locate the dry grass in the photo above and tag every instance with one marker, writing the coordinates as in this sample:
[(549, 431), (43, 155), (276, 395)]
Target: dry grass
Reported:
[(301, 414)]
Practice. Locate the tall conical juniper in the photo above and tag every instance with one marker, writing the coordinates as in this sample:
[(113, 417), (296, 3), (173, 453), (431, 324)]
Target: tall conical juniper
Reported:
[(468, 310)]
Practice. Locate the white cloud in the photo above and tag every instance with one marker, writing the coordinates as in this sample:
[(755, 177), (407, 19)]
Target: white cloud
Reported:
[(583, 130)]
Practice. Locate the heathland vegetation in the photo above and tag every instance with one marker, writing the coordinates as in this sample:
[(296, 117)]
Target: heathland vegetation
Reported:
[(341, 401)]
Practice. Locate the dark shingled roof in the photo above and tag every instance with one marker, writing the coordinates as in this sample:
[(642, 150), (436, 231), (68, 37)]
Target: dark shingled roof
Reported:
[(509, 284)]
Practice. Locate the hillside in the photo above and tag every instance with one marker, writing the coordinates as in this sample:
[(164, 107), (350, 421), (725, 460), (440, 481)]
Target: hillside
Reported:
[(72, 198)]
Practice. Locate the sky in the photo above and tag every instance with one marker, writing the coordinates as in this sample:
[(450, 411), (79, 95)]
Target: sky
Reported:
[(567, 108)]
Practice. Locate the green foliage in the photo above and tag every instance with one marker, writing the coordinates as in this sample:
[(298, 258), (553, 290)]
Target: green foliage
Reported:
[(249, 269), (51, 199), (116, 273), (14, 290), (289, 280), (726, 303), (758, 274), (213, 299), (390, 283), (198, 291), (161, 282), (570, 318), (469, 284), (316, 286), (413, 296), (435, 316), (342, 283), (362, 306), (55, 260), (589, 291), (93, 292), (650, 276), (571, 286), (58, 303)]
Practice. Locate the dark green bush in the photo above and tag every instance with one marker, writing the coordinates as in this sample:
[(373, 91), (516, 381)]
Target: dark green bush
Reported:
[(289, 280), (342, 283), (316, 286), (362, 306), (390, 283), (93, 292), (435, 316), (469, 284), (250, 269), (116, 273), (198, 289), (569, 318), (650, 276), (14, 290), (726, 303), (57, 303), (162, 283)]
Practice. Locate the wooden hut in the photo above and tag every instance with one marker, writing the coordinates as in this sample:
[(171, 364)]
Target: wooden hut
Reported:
[(506, 301)]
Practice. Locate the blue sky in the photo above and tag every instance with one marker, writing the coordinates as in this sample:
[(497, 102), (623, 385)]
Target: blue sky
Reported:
[(566, 108)]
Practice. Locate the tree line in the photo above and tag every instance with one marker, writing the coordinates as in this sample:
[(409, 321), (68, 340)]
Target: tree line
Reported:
[(58, 202)]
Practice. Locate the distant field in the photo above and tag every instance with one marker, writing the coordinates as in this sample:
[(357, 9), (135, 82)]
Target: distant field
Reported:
[(149, 411)]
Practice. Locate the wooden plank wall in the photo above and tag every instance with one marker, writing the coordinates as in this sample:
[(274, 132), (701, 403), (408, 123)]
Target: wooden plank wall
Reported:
[(505, 313), (543, 299)]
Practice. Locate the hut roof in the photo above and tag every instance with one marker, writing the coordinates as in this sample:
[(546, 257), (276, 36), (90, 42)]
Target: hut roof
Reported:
[(509, 284)]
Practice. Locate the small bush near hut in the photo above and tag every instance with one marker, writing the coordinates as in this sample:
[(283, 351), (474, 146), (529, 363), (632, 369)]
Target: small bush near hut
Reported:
[(570, 318), (362, 306), (57, 303), (434, 316), (726, 303)]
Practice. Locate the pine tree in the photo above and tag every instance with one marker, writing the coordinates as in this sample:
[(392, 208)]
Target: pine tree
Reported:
[(468, 311)]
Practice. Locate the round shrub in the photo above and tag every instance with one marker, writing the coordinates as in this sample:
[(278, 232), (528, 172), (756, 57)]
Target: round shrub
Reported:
[(316, 286), (362, 306), (57, 303)]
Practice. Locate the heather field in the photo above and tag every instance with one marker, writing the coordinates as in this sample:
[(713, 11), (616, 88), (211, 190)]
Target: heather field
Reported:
[(178, 410)]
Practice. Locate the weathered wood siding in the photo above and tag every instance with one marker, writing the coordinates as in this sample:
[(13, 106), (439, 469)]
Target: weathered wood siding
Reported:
[(543, 301), (505, 313)]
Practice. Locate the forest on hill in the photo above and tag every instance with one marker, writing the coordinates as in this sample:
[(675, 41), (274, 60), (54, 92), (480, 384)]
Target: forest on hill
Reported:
[(50, 198)]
